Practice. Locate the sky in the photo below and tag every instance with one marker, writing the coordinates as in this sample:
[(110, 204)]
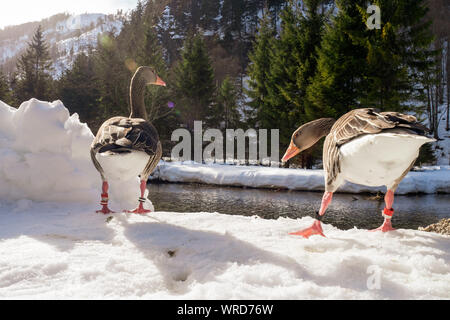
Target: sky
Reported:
[(14, 12)]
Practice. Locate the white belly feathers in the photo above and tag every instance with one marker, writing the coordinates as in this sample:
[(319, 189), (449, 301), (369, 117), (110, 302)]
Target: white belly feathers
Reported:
[(124, 166), (380, 159)]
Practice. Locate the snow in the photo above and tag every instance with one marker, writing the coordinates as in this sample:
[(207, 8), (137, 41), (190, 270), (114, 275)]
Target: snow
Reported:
[(54, 246), (44, 156), (428, 180), (167, 23), (80, 21), (82, 43), (9, 48), (58, 252), (88, 38)]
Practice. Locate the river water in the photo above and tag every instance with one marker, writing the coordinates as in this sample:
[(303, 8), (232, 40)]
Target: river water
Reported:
[(345, 212)]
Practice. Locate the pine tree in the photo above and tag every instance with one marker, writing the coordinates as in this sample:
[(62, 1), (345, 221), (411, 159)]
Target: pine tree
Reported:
[(397, 53), (78, 90), (5, 90), (295, 56), (238, 28), (157, 98), (167, 28), (210, 10), (271, 71), (258, 72), (360, 67), (281, 68), (24, 81), (113, 77), (34, 67), (232, 12), (284, 64), (224, 112), (133, 31), (309, 35), (160, 108), (194, 81), (341, 65), (293, 63)]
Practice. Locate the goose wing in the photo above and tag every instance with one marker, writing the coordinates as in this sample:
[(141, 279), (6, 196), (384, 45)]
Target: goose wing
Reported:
[(368, 121), (122, 134), (359, 122)]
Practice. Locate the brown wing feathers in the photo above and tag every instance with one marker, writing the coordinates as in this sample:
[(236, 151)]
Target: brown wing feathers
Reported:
[(406, 121), (122, 135), (359, 122)]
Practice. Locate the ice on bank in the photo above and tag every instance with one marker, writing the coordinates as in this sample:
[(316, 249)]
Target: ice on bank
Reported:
[(428, 180)]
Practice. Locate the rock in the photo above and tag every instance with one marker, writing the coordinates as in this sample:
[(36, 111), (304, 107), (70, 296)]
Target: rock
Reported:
[(442, 227)]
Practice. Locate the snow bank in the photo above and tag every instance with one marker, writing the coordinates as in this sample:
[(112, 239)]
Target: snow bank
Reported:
[(44, 156), (46, 253), (430, 180)]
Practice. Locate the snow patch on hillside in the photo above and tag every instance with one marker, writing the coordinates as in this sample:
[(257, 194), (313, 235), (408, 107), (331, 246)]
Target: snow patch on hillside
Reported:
[(70, 47), (78, 22), (71, 36)]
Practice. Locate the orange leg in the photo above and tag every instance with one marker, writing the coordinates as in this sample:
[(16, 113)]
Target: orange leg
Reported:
[(140, 209), (388, 212), (104, 202), (316, 227)]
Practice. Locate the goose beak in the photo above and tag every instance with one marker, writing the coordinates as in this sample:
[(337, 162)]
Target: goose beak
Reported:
[(291, 152), (159, 82)]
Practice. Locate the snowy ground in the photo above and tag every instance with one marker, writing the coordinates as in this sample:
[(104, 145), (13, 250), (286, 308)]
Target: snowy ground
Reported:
[(59, 252), (54, 246)]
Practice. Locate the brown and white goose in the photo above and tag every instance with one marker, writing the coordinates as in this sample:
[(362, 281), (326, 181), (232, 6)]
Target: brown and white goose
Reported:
[(129, 144), (363, 147)]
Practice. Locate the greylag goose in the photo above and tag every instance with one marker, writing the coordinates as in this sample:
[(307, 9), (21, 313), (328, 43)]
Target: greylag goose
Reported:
[(131, 142), (364, 147)]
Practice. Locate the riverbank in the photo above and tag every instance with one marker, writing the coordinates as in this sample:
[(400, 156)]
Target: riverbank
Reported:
[(428, 180), (442, 227)]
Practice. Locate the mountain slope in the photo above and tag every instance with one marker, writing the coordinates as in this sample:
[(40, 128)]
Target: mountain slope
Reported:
[(66, 36)]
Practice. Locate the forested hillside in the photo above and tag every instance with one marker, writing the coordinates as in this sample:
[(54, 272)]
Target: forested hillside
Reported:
[(66, 35)]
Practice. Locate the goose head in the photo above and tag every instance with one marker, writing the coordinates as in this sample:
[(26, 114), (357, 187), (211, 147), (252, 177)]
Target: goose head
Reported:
[(149, 76), (307, 135)]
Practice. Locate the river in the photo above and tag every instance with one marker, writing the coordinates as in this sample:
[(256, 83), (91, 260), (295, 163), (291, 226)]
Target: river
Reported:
[(345, 212)]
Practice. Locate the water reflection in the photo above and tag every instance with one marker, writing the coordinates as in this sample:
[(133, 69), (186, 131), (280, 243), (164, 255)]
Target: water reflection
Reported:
[(345, 212)]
